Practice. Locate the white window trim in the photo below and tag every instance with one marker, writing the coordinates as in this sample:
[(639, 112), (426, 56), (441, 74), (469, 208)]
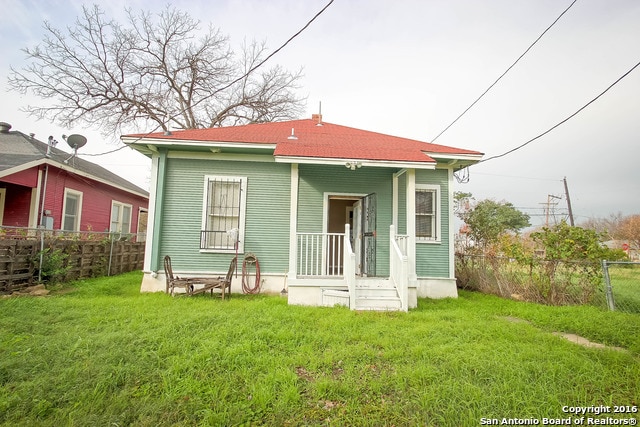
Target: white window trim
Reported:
[(122, 205), (243, 210), (438, 225), (68, 191)]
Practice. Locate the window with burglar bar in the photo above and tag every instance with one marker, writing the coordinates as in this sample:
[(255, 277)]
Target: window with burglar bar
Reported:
[(223, 213), (427, 213)]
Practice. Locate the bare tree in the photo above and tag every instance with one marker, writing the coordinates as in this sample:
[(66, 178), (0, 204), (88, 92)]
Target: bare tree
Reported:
[(158, 70), (607, 228), (629, 230)]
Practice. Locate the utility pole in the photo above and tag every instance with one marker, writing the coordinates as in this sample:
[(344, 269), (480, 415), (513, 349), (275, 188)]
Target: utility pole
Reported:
[(548, 208), (566, 192)]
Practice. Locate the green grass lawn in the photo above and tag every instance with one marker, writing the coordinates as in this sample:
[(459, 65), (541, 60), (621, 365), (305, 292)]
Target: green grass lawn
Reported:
[(102, 354)]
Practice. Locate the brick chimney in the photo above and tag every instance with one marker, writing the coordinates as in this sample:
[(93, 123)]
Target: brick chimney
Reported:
[(317, 118)]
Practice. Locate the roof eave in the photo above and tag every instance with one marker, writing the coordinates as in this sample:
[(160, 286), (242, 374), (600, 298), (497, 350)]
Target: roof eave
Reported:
[(457, 161), (46, 161), (22, 167), (159, 142), (359, 162)]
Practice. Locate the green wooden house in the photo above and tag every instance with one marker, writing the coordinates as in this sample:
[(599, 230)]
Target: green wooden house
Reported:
[(334, 215)]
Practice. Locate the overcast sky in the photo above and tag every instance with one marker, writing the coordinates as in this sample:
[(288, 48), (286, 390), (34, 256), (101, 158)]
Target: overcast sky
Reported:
[(409, 68)]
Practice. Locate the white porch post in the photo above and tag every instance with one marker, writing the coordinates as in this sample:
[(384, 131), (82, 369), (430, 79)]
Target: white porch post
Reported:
[(394, 203), (293, 222), (411, 224), (452, 231), (35, 211)]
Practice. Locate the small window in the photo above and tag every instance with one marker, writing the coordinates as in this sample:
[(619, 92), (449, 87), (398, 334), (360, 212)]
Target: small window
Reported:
[(71, 210), (427, 213), (120, 218), (223, 213)]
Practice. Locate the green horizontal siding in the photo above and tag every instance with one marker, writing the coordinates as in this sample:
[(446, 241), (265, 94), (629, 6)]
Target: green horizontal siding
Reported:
[(432, 259), (402, 205), (267, 213), (315, 180)]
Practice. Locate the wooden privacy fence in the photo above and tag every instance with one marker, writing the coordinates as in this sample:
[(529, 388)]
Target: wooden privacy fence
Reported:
[(28, 260)]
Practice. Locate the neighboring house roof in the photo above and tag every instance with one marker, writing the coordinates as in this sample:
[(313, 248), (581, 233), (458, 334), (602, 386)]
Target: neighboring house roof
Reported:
[(21, 152), (314, 139)]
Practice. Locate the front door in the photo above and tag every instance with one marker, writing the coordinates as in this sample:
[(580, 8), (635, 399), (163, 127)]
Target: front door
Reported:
[(360, 213), (368, 231)]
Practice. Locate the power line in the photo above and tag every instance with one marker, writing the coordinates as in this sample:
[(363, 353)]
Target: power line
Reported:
[(519, 177), (565, 120), (503, 74), (251, 70), (102, 154)]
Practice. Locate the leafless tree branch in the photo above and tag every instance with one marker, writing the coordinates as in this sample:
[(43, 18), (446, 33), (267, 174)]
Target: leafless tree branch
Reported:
[(151, 71)]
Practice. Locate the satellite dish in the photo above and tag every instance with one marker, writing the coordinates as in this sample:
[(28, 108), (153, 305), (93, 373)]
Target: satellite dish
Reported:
[(76, 141)]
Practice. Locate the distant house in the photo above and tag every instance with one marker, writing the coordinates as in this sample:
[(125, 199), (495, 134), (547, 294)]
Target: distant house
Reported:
[(335, 215), (632, 251), (42, 185)]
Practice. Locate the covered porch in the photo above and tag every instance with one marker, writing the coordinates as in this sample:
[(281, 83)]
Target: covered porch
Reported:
[(356, 258), (327, 266)]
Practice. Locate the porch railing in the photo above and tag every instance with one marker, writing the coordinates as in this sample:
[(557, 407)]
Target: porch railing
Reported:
[(320, 254), (399, 266), (402, 241)]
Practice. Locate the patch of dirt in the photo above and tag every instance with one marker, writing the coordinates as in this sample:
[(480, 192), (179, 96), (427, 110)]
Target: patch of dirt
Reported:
[(576, 339), (302, 373), (34, 291), (515, 319)]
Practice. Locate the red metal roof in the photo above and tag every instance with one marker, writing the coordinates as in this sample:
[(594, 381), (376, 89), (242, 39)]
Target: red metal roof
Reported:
[(319, 141)]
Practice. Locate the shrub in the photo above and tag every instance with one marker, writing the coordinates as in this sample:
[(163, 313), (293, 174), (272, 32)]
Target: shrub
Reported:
[(559, 265), (54, 265)]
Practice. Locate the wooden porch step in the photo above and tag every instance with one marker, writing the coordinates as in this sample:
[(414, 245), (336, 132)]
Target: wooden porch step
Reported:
[(375, 293), (372, 293), (378, 303), (373, 283), (333, 297)]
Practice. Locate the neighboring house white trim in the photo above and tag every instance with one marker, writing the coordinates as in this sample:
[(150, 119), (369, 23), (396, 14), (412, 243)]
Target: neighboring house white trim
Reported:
[(67, 168), (142, 235), (77, 216), (120, 220), (33, 207)]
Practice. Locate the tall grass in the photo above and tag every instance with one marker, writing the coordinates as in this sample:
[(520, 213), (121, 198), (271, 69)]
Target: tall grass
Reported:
[(104, 354), (625, 283)]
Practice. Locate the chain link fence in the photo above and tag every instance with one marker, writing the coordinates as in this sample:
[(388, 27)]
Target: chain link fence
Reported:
[(555, 282), (622, 285), (613, 285)]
